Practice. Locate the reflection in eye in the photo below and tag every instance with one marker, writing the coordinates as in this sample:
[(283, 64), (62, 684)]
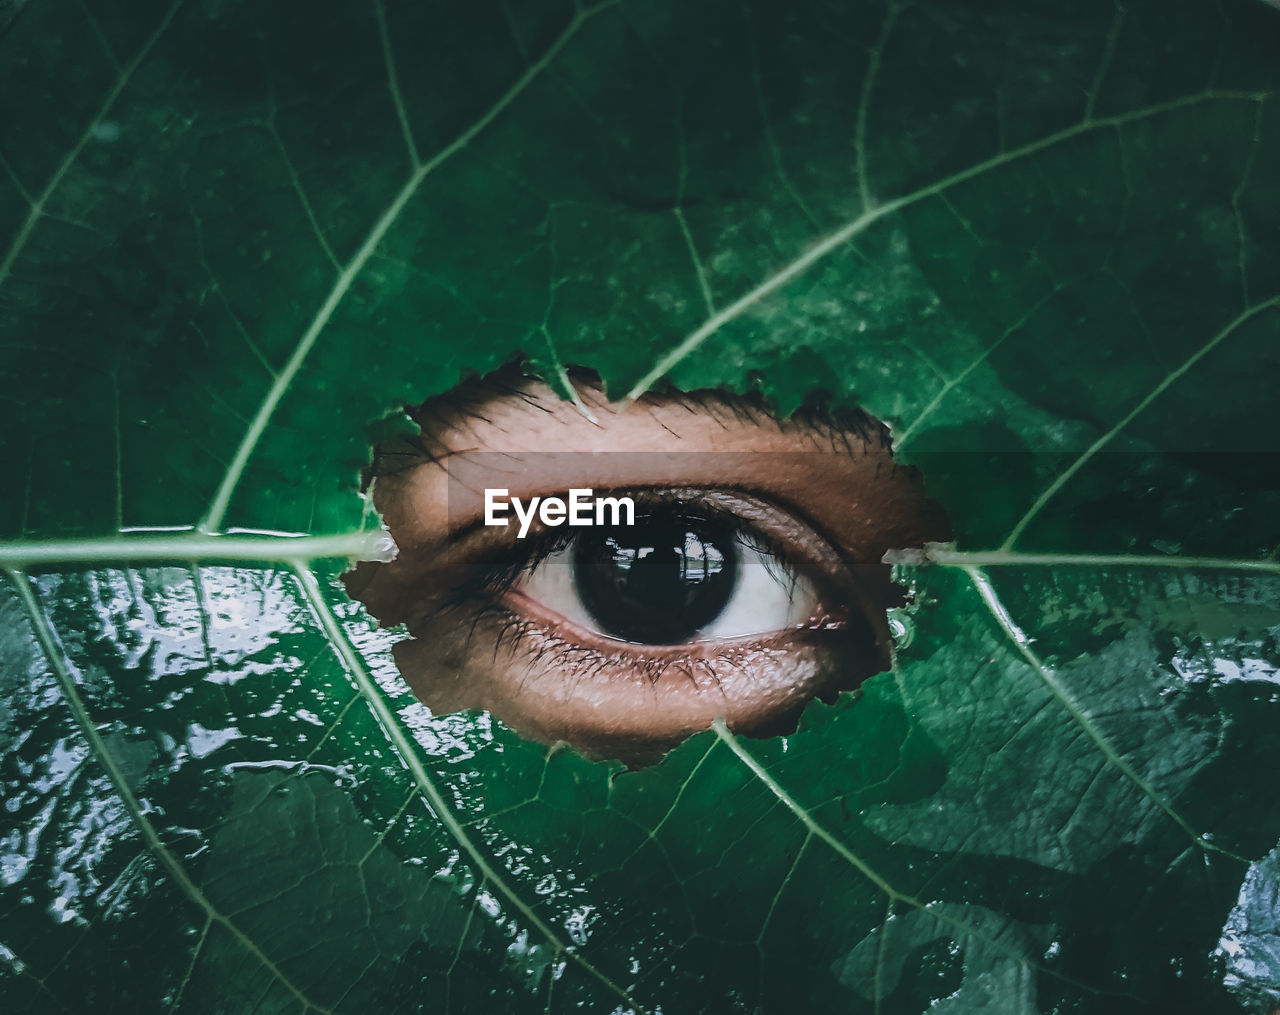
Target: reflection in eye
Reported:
[(748, 583)]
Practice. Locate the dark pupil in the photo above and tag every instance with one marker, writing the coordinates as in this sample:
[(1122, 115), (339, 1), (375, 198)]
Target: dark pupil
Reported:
[(658, 581)]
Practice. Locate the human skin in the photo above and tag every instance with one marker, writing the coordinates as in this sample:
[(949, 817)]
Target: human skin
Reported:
[(821, 488)]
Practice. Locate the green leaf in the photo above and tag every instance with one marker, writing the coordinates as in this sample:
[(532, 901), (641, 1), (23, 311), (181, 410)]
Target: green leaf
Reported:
[(1042, 242)]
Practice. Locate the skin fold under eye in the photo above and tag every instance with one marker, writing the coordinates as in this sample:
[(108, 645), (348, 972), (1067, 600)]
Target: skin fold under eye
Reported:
[(747, 582)]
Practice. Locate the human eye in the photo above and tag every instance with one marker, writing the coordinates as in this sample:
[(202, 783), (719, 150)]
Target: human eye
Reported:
[(623, 639), (687, 570), (745, 581)]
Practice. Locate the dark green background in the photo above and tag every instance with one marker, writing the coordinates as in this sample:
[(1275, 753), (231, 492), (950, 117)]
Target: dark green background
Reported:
[(1041, 240)]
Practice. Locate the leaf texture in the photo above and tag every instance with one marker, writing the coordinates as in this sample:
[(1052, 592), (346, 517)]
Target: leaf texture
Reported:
[(1043, 243)]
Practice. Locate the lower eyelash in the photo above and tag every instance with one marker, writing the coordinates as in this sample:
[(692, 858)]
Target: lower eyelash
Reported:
[(581, 661)]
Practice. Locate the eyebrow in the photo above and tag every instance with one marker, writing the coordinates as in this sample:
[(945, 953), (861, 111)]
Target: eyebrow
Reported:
[(467, 404)]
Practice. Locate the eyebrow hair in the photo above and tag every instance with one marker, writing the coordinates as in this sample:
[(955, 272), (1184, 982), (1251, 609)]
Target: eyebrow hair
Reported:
[(817, 417)]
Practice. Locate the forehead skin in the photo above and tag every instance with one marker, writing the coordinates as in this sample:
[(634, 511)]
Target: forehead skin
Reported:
[(528, 416)]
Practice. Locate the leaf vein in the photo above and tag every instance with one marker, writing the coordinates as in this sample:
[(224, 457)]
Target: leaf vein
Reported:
[(185, 545), (833, 241), (1104, 64), (342, 647), (393, 83), (213, 518), (864, 100), (1169, 380), (36, 210), (1079, 715), (49, 646), (893, 894), (944, 557)]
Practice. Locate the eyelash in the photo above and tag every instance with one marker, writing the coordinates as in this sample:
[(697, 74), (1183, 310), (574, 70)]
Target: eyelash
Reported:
[(583, 661), (542, 542), (482, 594)]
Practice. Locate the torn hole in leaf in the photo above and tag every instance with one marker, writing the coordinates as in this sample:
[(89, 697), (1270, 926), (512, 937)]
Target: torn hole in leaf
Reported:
[(619, 575)]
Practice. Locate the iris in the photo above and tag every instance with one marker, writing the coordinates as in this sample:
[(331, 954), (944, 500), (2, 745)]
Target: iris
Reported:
[(659, 581)]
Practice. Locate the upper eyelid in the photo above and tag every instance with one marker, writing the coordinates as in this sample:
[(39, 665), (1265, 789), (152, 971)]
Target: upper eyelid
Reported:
[(832, 581), (812, 541)]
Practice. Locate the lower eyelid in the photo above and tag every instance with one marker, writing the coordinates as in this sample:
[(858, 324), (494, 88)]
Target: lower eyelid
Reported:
[(524, 609), (550, 680), (543, 653), (609, 700)]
